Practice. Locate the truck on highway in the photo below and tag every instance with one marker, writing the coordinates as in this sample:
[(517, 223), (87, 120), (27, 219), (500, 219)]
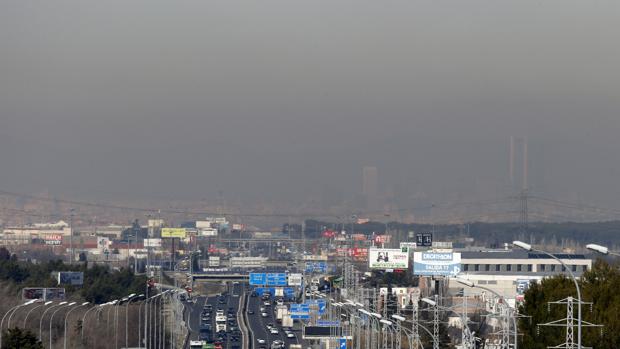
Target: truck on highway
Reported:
[(196, 344)]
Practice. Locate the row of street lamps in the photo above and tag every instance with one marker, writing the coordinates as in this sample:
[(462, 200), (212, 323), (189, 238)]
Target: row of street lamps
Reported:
[(508, 314), (154, 336)]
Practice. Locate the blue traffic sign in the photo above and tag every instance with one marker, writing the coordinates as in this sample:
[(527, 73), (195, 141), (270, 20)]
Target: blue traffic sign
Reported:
[(258, 279), (276, 279), (343, 343), (329, 323), (316, 267)]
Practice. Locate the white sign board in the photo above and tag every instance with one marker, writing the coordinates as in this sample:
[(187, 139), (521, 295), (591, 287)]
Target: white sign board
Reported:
[(152, 242), (208, 232), (431, 263), (411, 245), (214, 261), (203, 224), (294, 279), (385, 258)]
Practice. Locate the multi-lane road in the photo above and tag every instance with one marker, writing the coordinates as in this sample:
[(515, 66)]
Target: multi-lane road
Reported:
[(228, 301), (258, 325)]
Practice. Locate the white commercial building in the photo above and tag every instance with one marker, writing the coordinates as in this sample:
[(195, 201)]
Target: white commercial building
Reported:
[(510, 272), (40, 231)]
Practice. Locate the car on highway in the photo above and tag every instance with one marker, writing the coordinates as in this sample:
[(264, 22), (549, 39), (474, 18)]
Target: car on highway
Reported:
[(267, 304), (277, 344), (260, 341), (250, 312), (273, 330), (263, 314), (290, 335)]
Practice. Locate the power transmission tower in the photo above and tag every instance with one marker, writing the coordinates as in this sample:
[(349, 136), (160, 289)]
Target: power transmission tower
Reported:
[(568, 322)]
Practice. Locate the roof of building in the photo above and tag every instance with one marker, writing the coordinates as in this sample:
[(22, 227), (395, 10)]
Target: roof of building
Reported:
[(513, 254)]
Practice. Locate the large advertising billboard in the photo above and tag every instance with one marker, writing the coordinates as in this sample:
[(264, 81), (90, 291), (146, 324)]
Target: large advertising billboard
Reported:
[(52, 239), (75, 278), (173, 233), (385, 258), (431, 263), (46, 294)]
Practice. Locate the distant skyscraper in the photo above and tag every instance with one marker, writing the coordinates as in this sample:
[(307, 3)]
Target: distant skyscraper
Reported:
[(370, 183)]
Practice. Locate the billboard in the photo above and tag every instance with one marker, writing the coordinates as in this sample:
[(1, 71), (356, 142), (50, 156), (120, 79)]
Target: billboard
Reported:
[(424, 239), (46, 294), (52, 239), (317, 332), (152, 242), (208, 232), (412, 245), (203, 224), (173, 233), (75, 278), (294, 279), (383, 239), (386, 258), (431, 263), (358, 237)]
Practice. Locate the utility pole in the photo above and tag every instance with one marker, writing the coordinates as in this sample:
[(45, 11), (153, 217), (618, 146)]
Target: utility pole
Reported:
[(436, 323), (71, 255)]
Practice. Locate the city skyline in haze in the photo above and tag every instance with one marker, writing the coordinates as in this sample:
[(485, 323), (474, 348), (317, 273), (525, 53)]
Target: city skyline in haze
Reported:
[(284, 104)]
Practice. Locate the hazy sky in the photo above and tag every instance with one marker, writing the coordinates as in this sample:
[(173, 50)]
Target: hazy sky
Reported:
[(281, 99)]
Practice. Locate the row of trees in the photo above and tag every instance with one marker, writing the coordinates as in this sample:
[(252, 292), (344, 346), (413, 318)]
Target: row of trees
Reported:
[(600, 285), (486, 234), (101, 283)]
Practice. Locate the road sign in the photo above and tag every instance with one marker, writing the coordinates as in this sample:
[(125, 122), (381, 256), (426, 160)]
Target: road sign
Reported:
[(343, 343), (316, 267), (327, 323), (258, 279), (300, 311), (276, 279), (319, 304), (424, 239), (294, 279)]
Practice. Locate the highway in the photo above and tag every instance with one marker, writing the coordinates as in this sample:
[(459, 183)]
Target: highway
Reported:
[(258, 326), (230, 302)]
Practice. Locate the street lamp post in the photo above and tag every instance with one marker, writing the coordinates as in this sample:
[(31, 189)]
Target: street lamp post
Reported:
[(10, 311), (602, 250), (67, 317), (129, 299), (503, 300), (43, 316), (31, 310), (16, 309), (387, 324), (86, 314), (528, 247), (52, 319), (400, 330)]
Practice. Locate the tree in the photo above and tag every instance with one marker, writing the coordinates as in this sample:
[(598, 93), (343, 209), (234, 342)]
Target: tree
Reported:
[(5, 255), (16, 338), (599, 285)]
